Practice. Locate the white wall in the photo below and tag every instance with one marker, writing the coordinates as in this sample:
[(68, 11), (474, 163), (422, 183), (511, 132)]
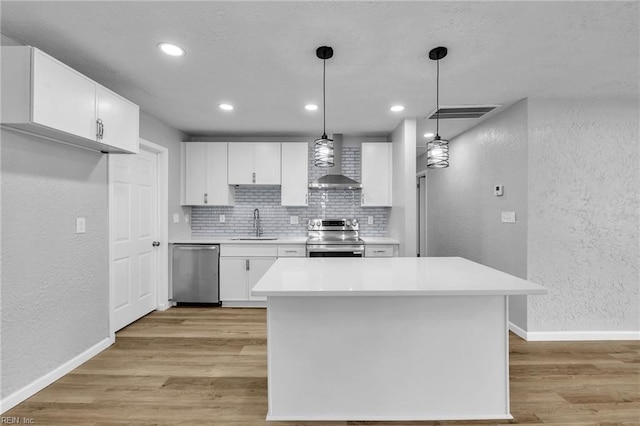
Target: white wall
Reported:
[(576, 164), (584, 204), (463, 217), (55, 285), (402, 219)]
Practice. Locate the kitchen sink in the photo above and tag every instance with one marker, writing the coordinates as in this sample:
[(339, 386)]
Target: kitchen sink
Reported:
[(254, 238)]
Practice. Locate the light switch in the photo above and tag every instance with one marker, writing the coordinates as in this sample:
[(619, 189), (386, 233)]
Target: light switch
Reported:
[(81, 225), (498, 190), (370, 220), (176, 218), (293, 220), (509, 217), (222, 218)]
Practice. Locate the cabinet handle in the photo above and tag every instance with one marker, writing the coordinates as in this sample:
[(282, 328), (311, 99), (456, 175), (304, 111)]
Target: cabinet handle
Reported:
[(306, 198), (246, 265), (206, 199), (254, 177), (99, 129), (289, 251)]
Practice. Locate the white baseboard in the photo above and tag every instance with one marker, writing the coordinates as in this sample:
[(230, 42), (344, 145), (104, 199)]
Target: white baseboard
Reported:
[(44, 381), (558, 336)]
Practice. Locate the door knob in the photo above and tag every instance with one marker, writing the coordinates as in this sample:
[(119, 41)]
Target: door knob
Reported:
[(156, 243)]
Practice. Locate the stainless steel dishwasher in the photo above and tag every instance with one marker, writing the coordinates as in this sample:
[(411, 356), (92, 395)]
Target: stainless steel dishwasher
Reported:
[(195, 274)]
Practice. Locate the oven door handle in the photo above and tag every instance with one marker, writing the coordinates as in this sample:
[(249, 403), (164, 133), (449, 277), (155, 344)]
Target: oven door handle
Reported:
[(335, 248)]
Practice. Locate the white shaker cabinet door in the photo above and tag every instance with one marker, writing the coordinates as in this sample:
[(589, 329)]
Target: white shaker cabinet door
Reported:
[(196, 173), (376, 174), (257, 268), (241, 164), (267, 163), (218, 191), (295, 174), (119, 119), (63, 99), (233, 279)]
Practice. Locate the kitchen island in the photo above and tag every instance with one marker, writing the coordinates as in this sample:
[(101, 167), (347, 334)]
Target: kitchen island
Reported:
[(388, 339)]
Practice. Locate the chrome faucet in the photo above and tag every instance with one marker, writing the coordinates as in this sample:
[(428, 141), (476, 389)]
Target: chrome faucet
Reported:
[(256, 222)]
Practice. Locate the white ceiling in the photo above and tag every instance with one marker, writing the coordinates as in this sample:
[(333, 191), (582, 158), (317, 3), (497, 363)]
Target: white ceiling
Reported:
[(260, 56)]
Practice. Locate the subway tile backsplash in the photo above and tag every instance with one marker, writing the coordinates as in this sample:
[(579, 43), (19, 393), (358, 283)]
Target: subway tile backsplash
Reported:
[(275, 219)]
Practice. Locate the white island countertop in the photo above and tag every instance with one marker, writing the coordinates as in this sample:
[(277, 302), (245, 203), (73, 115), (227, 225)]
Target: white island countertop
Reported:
[(396, 276)]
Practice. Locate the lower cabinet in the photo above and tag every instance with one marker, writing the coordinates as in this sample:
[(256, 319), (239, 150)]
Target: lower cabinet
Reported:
[(239, 275), (241, 266), (377, 250)]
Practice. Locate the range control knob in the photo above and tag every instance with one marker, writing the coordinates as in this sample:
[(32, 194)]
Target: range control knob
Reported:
[(354, 221), (348, 222)]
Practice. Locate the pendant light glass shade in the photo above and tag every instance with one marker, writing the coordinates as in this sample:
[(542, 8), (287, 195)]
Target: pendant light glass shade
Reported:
[(323, 152), (323, 147), (438, 148), (438, 153)]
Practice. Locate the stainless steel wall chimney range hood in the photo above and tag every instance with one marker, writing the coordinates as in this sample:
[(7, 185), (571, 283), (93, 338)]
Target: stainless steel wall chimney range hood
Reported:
[(334, 179)]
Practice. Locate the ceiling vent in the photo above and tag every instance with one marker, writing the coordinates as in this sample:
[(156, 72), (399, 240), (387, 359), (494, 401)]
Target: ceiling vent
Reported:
[(464, 111)]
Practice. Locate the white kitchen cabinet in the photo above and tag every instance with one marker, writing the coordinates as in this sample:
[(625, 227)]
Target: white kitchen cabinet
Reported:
[(119, 120), (376, 174), (380, 250), (257, 268), (295, 174), (254, 163), (205, 174), (241, 267), (43, 96)]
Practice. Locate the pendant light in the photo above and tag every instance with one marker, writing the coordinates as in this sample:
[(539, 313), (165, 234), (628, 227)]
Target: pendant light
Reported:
[(438, 148), (323, 147)]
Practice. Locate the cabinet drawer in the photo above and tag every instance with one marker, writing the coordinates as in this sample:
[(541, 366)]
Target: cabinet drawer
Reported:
[(248, 250), (291, 250), (378, 251)]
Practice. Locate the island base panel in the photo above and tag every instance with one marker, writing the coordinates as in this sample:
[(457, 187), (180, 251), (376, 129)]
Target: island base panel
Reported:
[(379, 358)]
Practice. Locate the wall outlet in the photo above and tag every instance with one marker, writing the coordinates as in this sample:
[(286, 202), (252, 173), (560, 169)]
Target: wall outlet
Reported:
[(509, 217), (222, 219), (176, 218), (293, 220), (498, 190), (81, 225), (369, 220), (186, 218)]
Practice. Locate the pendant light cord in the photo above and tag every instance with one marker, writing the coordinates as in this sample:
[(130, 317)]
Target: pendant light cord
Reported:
[(437, 97), (324, 102)]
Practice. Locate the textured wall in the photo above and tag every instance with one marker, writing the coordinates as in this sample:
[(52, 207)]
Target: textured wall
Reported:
[(464, 217), (160, 133), (584, 193), (402, 219), (274, 218), (55, 289)]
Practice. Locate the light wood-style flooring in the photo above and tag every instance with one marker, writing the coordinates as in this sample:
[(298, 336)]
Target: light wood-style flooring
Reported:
[(209, 366)]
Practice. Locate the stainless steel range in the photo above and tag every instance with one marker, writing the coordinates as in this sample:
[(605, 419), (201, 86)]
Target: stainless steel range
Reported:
[(334, 238)]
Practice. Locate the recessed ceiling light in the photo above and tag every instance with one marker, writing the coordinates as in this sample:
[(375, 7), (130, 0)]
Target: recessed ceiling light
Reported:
[(311, 107), (226, 107), (171, 49), (429, 135), (397, 108)]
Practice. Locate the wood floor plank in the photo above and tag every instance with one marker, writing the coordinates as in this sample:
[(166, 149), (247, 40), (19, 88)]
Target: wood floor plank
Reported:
[(208, 366)]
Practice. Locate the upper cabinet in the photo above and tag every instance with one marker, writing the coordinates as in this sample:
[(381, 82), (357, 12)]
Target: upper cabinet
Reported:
[(205, 174), (295, 174), (376, 174), (41, 95), (254, 163)]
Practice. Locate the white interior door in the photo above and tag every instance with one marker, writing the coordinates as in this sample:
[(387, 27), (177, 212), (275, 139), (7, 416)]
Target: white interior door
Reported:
[(134, 223)]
